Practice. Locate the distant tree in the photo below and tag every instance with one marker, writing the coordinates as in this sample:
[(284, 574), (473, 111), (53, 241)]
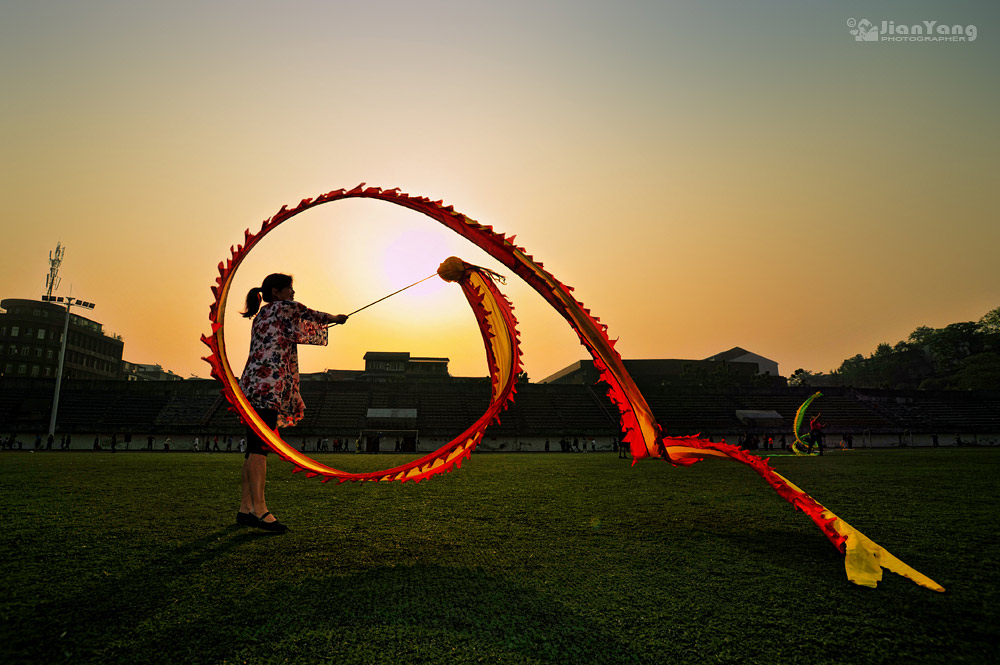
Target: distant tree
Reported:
[(801, 377), (990, 323), (959, 356), (989, 328), (922, 335), (857, 371), (951, 344), (978, 372)]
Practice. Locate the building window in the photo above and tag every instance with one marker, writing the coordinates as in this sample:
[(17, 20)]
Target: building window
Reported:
[(25, 351), (38, 352), (51, 354), (3, 331), (48, 371), (41, 333), (14, 331), (9, 368), (35, 369), (22, 369), (12, 351), (27, 332)]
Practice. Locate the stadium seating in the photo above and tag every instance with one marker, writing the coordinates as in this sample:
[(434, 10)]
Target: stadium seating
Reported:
[(444, 409)]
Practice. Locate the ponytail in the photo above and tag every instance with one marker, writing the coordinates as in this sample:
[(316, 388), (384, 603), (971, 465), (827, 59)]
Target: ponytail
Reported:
[(266, 290), (253, 303)]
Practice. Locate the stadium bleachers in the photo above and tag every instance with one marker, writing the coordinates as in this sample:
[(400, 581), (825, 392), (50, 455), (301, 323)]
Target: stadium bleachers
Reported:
[(340, 408), (838, 411), (185, 411)]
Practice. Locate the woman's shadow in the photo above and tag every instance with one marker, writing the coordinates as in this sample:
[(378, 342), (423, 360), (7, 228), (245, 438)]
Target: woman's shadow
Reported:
[(165, 612)]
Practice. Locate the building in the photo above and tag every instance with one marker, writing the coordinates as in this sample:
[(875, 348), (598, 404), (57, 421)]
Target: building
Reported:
[(382, 366), (765, 366), (141, 372), (31, 336), (736, 367)]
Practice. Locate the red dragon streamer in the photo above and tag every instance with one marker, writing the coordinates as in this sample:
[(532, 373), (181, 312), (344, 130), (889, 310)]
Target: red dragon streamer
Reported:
[(864, 559)]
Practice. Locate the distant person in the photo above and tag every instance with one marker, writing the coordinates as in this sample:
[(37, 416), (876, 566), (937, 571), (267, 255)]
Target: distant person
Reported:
[(215, 444), (270, 380), (816, 433), (97, 442), (622, 449), (149, 442), (50, 441), (196, 446), (114, 442), (229, 444), (166, 445)]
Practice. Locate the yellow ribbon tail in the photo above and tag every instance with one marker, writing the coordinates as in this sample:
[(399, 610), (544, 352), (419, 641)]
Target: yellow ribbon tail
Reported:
[(865, 560)]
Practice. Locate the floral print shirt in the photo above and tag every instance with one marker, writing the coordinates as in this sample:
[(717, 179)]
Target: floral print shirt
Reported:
[(271, 377)]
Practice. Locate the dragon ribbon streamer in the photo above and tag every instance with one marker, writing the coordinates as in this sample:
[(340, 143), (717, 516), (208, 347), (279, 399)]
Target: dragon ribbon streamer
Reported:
[(799, 447), (864, 559)]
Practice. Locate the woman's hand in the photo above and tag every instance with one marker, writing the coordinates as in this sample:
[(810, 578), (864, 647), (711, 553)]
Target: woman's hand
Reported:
[(340, 319)]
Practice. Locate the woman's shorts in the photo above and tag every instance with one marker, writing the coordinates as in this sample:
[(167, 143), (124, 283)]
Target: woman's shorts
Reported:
[(255, 444)]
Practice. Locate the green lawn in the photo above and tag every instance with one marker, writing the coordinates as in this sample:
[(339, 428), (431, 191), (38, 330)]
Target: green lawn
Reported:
[(525, 558)]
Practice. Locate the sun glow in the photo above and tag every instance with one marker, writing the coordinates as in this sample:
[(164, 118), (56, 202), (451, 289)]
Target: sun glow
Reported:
[(413, 255)]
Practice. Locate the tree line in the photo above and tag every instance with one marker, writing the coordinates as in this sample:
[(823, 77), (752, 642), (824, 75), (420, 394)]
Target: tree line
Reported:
[(960, 356)]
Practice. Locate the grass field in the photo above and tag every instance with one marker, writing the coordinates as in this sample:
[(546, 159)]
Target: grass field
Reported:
[(532, 558)]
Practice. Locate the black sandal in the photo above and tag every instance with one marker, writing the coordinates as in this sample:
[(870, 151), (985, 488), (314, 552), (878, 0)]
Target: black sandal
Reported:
[(246, 519), (274, 527)]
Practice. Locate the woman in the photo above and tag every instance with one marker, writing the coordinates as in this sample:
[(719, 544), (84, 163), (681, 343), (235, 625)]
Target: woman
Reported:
[(271, 380)]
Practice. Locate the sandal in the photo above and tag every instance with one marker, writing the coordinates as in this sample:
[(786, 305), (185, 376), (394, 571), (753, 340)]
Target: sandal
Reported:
[(246, 519), (274, 527)]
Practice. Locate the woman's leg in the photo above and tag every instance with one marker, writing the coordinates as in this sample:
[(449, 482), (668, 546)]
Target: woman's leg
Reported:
[(246, 499), (256, 473)]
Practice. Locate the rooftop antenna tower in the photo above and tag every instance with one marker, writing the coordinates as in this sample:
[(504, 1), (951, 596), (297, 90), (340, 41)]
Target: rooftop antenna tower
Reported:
[(55, 260)]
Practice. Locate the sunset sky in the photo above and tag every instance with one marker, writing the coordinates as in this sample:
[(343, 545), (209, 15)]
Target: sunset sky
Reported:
[(706, 174)]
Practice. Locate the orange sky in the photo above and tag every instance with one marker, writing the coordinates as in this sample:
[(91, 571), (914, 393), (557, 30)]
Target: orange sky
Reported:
[(707, 175)]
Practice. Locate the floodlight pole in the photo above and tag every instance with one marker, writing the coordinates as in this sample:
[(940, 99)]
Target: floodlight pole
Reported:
[(62, 357)]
